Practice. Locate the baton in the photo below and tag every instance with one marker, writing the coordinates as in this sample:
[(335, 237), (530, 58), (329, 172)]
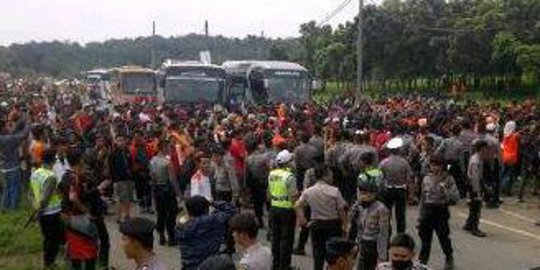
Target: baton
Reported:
[(30, 219)]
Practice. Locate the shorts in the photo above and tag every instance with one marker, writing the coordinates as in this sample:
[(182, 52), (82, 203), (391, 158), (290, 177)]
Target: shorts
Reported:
[(124, 191)]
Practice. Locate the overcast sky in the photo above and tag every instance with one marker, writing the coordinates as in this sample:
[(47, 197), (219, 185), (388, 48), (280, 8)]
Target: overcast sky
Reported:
[(98, 20)]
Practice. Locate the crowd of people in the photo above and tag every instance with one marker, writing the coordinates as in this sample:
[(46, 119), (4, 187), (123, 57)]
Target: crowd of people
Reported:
[(211, 177)]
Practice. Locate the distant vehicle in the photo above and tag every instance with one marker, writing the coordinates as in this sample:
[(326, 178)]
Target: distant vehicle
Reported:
[(97, 83), (133, 84), (191, 82), (261, 82)]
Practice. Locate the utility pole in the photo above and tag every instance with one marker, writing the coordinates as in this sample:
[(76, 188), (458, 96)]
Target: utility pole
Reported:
[(153, 53), (206, 28), (360, 52)]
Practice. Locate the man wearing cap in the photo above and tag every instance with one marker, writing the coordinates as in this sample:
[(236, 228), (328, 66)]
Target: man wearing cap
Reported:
[(282, 192), (397, 180), (48, 204), (370, 219), (138, 243)]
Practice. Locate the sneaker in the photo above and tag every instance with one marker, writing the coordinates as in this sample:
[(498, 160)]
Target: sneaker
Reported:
[(299, 252), (467, 228), (478, 233)]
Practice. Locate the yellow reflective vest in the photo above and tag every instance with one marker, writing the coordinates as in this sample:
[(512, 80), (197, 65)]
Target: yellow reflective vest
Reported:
[(37, 182), (279, 191)]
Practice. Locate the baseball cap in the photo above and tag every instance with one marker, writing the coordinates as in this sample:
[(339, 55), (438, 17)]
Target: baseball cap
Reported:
[(284, 156)]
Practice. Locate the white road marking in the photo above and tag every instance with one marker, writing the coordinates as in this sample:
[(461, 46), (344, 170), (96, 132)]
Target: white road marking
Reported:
[(517, 215), (500, 226)]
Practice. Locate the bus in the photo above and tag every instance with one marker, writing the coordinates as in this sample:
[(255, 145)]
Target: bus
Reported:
[(133, 84), (97, 84), (262, 82), (191, 82)]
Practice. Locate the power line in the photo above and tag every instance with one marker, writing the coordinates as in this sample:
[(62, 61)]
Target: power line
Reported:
[(336, 11)]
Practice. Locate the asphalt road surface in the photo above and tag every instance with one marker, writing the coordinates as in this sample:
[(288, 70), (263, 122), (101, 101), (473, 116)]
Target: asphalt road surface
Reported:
[(512, 242)]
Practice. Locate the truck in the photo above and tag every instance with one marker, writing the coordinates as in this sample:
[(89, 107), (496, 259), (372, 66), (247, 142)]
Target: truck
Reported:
[(263, 82)]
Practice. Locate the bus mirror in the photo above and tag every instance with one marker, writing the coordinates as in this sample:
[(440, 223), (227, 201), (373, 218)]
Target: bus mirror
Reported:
[(266, 83)]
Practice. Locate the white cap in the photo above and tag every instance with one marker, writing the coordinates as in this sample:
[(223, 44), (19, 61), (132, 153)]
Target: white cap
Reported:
[(491, 127), (284, 157), (395, 143)]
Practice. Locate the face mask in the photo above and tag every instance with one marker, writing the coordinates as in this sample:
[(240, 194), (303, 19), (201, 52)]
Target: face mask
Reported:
[(366, 204), (401, 265)]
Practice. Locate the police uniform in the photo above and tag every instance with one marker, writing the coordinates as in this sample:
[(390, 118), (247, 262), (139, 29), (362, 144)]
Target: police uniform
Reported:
[(453, 149), (370, 223), (48, 203), (438, 192), (325, 202), (492, 169), (282, 190), (397, 177)]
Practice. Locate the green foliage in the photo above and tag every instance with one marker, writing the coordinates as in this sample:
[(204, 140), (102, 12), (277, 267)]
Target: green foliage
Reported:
[(20, 248)]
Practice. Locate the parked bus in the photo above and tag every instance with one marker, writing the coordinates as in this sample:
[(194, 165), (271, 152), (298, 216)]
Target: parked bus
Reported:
[(133, 84), (261, 82), (190, 82), (97, 84)]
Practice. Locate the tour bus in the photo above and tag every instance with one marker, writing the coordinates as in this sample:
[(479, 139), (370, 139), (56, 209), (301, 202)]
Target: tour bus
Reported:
[(261, 82), (133, 84), (97, 81), (191, 82)]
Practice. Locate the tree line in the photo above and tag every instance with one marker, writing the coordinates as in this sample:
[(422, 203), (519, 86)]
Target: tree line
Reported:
[(489, 45)]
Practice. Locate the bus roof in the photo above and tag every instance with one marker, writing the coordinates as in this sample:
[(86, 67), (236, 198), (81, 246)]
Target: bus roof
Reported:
[(132, 69), (245, 65), (178, 63)]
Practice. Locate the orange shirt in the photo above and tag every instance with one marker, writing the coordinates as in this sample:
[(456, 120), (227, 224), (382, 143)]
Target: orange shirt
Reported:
[(510, 149)]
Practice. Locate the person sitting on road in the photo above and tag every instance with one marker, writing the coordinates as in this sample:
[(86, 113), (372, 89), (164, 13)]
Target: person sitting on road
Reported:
[(202, 233), (138, 243)]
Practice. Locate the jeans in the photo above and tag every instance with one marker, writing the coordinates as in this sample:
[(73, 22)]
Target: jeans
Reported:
[(322, 231), (52, 229), (397, 197), (258, 197), (434, 218), (510, 174), (12, 189), (492, 182), (282, 222)]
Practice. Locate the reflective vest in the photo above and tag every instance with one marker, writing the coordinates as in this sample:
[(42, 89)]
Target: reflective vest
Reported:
[(37, 181), (279, 191)]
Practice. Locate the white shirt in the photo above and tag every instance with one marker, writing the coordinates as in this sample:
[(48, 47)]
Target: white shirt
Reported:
[(256, 257), (200, 185)]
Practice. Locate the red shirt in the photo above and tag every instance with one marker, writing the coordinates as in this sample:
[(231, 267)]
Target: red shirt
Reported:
[(238, 152)]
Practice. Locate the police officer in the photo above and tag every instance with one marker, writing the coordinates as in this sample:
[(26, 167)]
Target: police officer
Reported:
[(438, 192), (327, 213), (370, 219), (48, 204), (475, 174), (165, 189), (492, 166), (282, 193), (397, 179), (453, 150)]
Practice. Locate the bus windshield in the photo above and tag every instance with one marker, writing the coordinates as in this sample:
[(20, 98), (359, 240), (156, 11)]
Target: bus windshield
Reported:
[(193, 89), (138, 83), (288, 86)]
